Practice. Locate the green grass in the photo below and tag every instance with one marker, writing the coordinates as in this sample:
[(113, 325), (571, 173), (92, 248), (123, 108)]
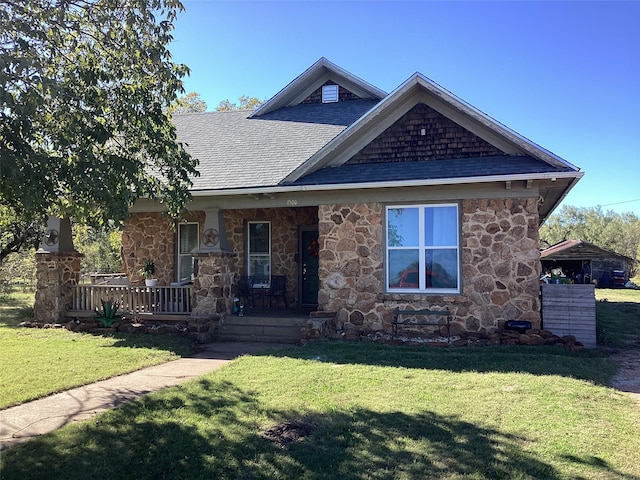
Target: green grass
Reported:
[(618, 318), (370, 411), (39, 362)]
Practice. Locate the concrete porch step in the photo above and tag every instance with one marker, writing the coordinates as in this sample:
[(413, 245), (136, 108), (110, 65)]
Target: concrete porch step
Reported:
[(261, 329)]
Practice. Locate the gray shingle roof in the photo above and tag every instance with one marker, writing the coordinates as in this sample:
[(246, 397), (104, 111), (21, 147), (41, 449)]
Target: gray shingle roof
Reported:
[(238, 152), (430, 170)]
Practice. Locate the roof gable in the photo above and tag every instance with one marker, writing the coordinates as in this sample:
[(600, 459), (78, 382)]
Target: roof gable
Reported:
[(424, 134), (420, 90), (306, 87)]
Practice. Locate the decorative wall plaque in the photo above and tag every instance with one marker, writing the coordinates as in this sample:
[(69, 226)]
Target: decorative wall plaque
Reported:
[(210, 237)]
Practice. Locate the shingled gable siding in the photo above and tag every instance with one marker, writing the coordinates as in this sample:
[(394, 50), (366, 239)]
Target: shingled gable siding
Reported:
[(443, 139), (343, 94), (500, 268), (150, 236)]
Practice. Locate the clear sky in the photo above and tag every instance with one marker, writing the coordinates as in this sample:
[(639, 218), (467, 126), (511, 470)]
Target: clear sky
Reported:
[(566, 75)]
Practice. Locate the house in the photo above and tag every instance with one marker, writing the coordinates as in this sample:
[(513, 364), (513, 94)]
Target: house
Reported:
[(584, 262), (365, 201)]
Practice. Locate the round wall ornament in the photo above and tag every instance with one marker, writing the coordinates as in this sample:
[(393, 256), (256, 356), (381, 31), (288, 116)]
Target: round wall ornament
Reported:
[(210, 237), (51, 237)]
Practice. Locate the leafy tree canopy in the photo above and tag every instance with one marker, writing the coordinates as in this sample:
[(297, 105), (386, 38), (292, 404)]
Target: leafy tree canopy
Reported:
[(619, 232), (84, 86), (189, 103), (244, 103)]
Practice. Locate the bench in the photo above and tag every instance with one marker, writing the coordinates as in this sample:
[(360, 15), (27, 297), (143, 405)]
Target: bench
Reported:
[(426, 314)]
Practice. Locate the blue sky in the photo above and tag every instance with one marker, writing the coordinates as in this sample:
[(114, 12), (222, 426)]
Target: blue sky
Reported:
[(566, 75)]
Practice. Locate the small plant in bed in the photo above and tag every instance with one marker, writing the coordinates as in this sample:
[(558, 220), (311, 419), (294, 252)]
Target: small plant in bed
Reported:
[(109, 314)]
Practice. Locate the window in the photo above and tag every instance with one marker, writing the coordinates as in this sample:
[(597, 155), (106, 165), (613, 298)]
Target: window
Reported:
[(329, 93), (188, 242), (422, 248), (259, 253)]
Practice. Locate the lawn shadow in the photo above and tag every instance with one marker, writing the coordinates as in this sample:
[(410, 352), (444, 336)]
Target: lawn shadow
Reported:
[(212, 429), (590, 365)]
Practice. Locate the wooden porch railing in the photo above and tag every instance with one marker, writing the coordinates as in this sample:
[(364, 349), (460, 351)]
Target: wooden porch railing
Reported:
[(134, 300)]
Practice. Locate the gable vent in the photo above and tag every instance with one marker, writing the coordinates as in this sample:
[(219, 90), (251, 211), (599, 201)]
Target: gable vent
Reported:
[(329, 93)]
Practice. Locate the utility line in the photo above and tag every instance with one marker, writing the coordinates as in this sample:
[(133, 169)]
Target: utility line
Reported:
[(619, 203)]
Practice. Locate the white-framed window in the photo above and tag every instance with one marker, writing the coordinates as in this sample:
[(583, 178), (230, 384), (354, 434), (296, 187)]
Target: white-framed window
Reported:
[(259, 252), (329, 93), (188, 242), (422, 248)]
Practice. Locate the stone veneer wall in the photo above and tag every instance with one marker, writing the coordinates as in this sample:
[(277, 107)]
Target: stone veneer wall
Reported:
[(57, 273), (500, 268), (151, 236), (284, 239), (213, 289)]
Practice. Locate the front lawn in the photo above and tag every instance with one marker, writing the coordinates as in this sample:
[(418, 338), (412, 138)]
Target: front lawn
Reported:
[(361, 411), (39, 362), (618, 317)]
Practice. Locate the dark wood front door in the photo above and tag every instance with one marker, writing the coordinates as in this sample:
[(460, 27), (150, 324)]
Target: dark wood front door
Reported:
[(309, 250)]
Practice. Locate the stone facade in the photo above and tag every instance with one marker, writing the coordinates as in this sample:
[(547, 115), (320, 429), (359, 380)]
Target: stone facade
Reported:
[(443, 139), (57, 273), (285, 223), (152, 236), (500, 268)]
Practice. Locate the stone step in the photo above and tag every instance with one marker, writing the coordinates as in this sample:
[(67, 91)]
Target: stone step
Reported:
[(275, 321), (258, 339), (261, 329)]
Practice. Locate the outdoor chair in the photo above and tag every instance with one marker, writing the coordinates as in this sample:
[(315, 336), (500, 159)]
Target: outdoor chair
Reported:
[(246, 290), (278, 289)]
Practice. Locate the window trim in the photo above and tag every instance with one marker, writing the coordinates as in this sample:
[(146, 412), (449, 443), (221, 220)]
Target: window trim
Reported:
[(179, 255), (267, 255), (422, 249)]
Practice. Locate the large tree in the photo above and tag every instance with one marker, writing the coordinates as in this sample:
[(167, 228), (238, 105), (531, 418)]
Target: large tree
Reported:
[(84, 88)]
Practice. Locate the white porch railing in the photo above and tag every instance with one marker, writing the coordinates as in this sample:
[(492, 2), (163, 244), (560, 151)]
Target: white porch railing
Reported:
[(134, 300)]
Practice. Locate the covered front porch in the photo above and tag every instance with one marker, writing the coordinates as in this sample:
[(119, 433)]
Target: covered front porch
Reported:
[(198, 268)]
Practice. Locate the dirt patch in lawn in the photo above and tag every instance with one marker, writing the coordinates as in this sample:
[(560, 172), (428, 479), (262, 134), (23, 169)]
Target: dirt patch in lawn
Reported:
[(286, 433), (628, 377)]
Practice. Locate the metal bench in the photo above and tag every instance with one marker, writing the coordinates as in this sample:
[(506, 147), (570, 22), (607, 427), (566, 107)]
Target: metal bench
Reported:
[(426, 314)]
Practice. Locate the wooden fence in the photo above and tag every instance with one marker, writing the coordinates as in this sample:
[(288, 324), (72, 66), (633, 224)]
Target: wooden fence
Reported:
[(134, 300), (570, 310)]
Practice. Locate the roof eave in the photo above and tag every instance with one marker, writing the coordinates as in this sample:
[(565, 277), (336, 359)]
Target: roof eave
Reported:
[(390, 184)]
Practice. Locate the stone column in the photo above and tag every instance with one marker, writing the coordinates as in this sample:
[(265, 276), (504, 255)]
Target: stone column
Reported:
[(213, 285), (58, 271)]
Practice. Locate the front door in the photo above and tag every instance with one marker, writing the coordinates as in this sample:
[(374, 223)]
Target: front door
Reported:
[(309, 250)]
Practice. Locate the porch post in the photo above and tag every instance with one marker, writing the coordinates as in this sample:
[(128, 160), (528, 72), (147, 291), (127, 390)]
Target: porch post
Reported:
[(57, 270), (213, 283)]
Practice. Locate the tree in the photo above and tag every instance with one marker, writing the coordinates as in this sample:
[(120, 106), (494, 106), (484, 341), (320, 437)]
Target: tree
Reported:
[(84, 86), (101, 248), (189, 103), (17, 232), (245, 103)]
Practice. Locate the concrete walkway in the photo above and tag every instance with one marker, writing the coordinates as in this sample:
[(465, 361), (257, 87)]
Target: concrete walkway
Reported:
[(22, 422)]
